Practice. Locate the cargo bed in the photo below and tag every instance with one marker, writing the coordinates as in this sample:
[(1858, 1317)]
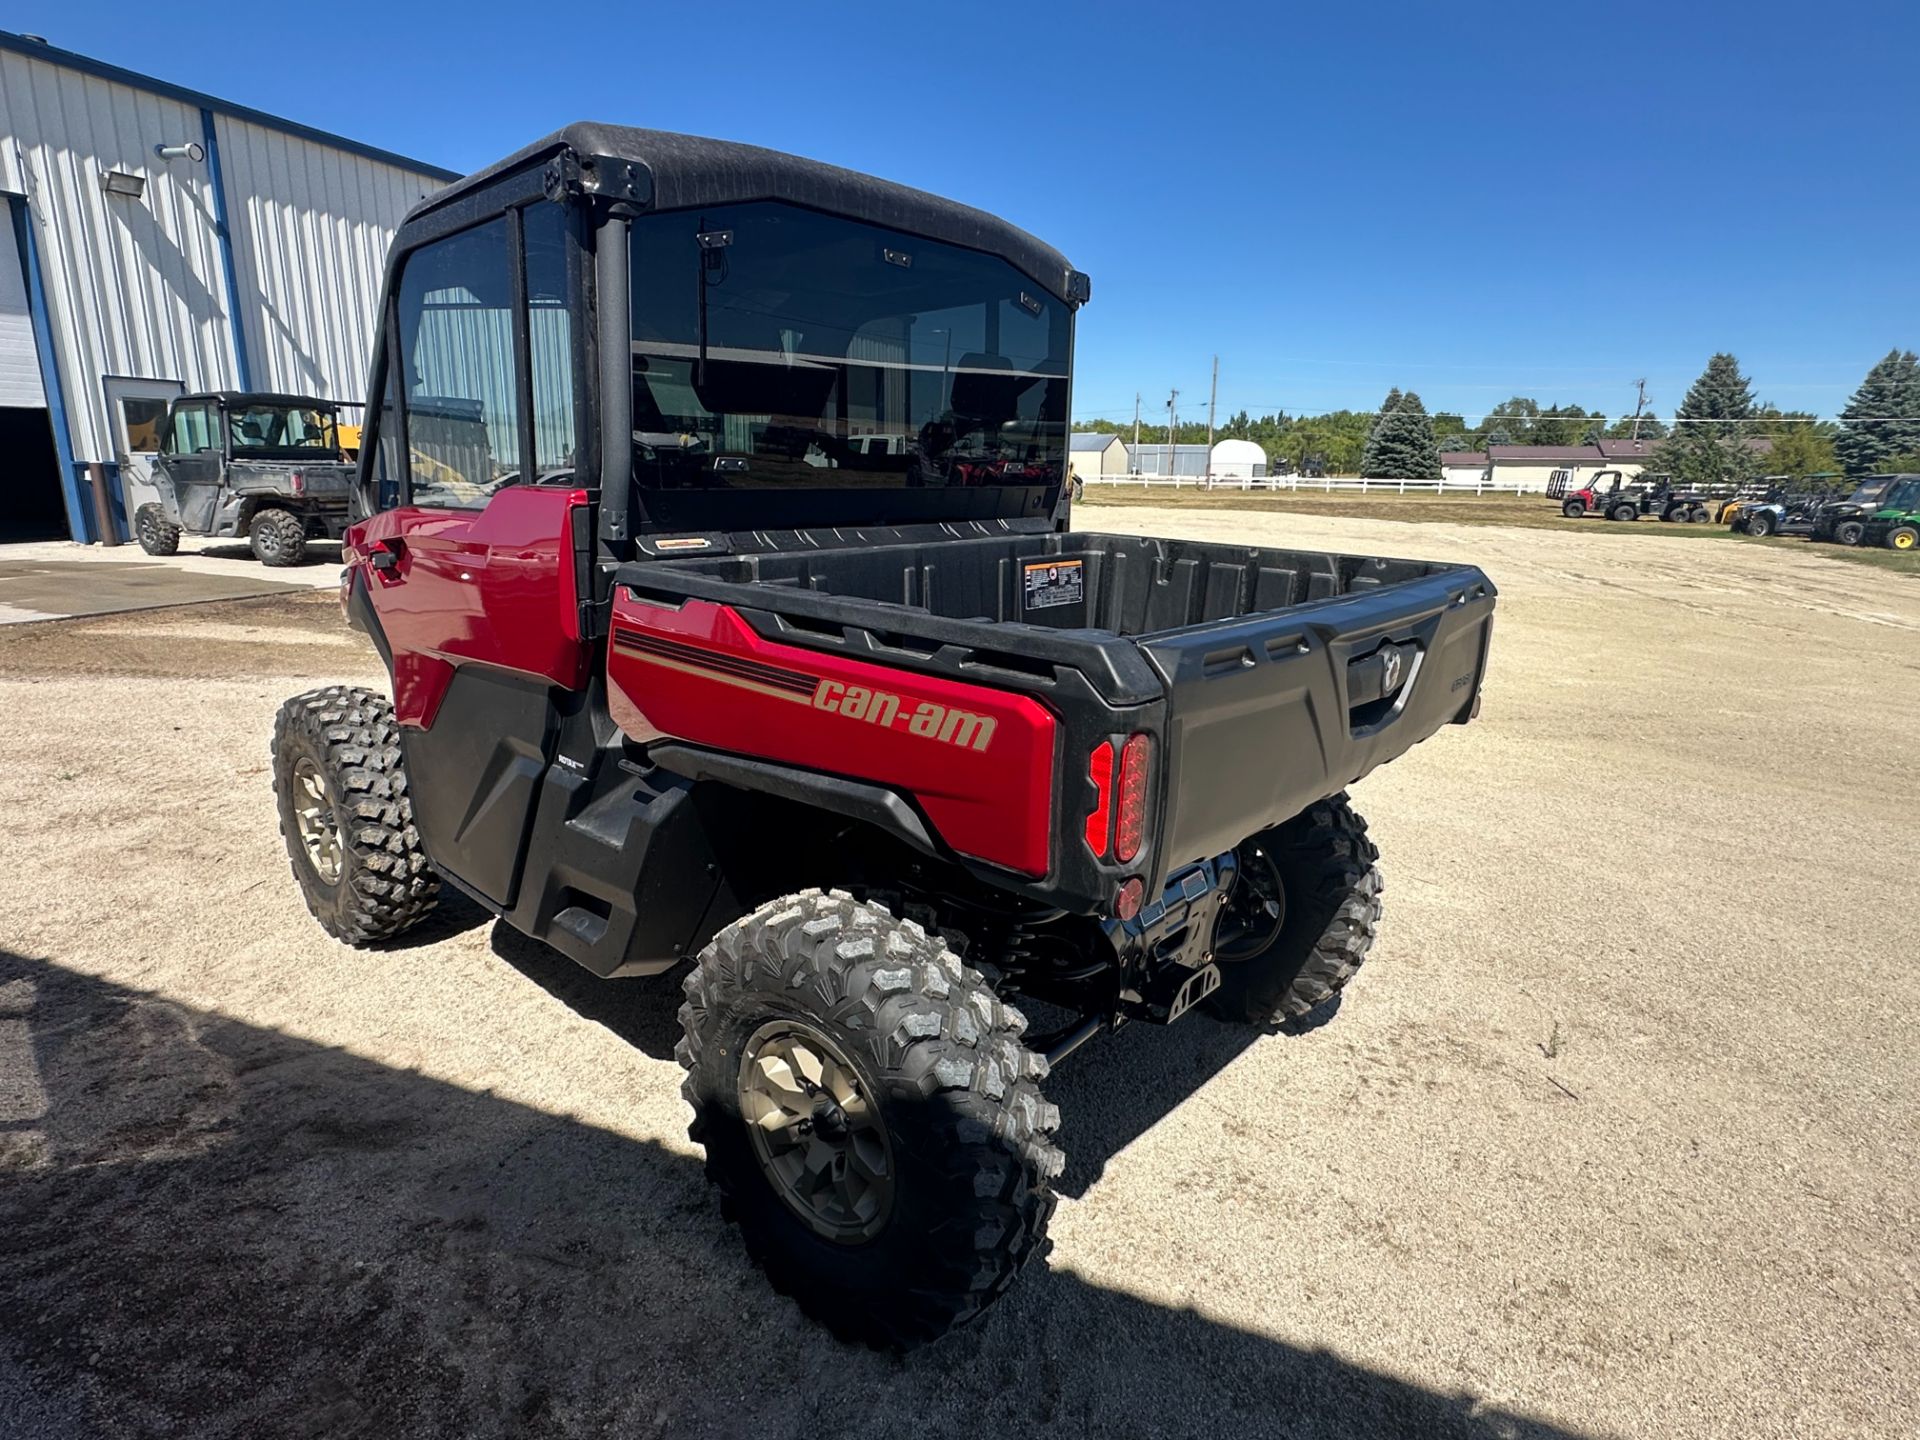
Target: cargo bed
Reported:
[(1272, 677)]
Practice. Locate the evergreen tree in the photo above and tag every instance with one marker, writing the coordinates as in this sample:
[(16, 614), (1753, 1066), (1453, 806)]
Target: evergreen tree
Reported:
[(1402, 446), (1713, 449), (1882, 419), (1721, 393)]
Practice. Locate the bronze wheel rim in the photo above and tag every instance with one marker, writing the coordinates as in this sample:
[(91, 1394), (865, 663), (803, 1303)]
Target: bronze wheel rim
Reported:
[(817, 1132), (319, 827)]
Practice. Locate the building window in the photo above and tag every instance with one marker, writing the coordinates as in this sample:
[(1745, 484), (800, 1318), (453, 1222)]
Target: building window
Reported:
[(140, 420)]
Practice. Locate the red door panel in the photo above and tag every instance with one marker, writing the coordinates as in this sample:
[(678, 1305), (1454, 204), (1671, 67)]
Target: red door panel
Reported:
[(978, 761), (493, 585)]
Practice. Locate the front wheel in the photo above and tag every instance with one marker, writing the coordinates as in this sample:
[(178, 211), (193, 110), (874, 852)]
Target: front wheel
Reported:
[(871, 1118), (1302, 915), (157, 534), (278, 538), (1624, 512), (1904, 538), (345, 815), (1850, 532), (1762, 524)]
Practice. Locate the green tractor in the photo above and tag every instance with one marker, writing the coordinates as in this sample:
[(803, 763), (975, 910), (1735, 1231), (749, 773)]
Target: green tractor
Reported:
[(1896, 523)]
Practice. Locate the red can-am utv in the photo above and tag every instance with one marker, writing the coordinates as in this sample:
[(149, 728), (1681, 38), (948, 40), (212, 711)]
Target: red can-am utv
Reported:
[(716, 541)]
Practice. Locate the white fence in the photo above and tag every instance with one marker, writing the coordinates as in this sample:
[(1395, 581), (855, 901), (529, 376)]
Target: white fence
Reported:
[(1326, 485)]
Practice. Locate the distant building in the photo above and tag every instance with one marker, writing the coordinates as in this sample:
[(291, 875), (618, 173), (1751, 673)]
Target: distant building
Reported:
[(1228, 460), (1463, 467), (1531, 466), (1090, 455), (1239, 460)]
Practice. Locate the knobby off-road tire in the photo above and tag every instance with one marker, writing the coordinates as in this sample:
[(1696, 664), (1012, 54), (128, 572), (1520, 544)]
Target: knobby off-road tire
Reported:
[(157, 534), (1573, 509), (1761, 525), (1624, 513), (969, 1158), (278, 538), (1328, 870), (1850, 532), (336, 754)]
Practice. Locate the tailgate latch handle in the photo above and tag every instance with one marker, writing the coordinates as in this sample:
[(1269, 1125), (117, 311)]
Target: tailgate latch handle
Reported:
[(1376, 683)]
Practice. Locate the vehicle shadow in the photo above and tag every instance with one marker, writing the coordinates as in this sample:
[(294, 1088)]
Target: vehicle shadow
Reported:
[(1162, 1066), (319, 552), (215, 1229)]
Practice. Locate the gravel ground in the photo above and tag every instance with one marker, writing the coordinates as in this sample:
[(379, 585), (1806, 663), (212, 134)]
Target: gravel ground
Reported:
[(1614, 1135)]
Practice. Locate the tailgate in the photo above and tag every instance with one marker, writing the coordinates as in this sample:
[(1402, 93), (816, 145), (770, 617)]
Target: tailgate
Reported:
[(325, 482), (1270, 713)]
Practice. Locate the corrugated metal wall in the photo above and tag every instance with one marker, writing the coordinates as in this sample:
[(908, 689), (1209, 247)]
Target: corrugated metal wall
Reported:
[(311, 226), (138, 287), (134, 286)]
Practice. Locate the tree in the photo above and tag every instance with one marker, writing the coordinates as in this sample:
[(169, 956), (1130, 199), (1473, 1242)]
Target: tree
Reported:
[(1456, 441), (1500, 435), (1709, 446), (1882, 419), (1401, 446), (1514, 418), (1802, 451), (1650, 428), (1721, 393)]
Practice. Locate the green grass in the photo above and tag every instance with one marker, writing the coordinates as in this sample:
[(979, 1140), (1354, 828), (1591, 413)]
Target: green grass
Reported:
[(1531, 512)]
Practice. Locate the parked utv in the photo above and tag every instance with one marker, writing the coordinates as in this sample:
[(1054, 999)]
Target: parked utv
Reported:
[(1895, 521), (1611, 494), (1852, 521), (267, 467), (862, 738)]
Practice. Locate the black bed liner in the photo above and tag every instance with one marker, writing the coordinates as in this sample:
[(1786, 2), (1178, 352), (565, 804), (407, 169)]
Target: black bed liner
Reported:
[(1272, 678)]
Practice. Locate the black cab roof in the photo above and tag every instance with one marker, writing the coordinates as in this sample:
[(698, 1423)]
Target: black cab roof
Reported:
[(664, 171)]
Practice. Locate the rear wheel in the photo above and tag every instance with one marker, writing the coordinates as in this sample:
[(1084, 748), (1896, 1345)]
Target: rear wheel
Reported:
[(278, 538), (871, 1118), (157, 534), (345, 815), (1301, 918), (1698, 515), (1904, 538), (1573, 509)]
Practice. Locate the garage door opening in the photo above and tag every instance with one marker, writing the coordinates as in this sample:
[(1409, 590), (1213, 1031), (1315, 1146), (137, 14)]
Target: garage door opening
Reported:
[(30, 504)]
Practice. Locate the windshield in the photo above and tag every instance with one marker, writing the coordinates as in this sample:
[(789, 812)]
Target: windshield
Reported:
[(1869, 493), (777, 348), (280, 427)]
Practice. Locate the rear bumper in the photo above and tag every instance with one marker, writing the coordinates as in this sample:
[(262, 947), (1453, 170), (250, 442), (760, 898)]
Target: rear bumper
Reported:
[(1268, 715)]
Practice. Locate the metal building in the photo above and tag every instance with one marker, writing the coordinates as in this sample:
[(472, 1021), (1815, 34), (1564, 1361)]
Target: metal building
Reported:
[(155, 240)]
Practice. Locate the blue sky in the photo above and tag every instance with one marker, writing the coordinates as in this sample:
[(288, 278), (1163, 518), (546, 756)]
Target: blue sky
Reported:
[(1471, 201)]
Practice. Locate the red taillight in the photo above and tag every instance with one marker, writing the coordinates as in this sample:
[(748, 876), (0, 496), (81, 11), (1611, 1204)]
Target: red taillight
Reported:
[(299, 483), (1100, 822), (1131, 826)]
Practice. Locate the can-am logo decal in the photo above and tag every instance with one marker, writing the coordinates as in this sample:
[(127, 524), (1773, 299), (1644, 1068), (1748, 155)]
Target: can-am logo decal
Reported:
[(930, 721), (877, 707)]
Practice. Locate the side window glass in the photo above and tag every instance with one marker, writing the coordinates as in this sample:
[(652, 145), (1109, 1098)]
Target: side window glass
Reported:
[(386, 455), (456, 345), (191, 431), (550, 330)]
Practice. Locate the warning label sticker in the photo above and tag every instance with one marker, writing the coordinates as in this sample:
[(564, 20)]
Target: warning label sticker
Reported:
[(1054, 582)]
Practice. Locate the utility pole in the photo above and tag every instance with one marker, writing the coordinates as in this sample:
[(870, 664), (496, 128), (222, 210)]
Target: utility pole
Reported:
[(1639, 405), (1136, 422), (1213, 397), (1172, 420)]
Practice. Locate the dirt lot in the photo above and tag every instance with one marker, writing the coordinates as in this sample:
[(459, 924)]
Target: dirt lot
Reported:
[(1614, 1136)]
